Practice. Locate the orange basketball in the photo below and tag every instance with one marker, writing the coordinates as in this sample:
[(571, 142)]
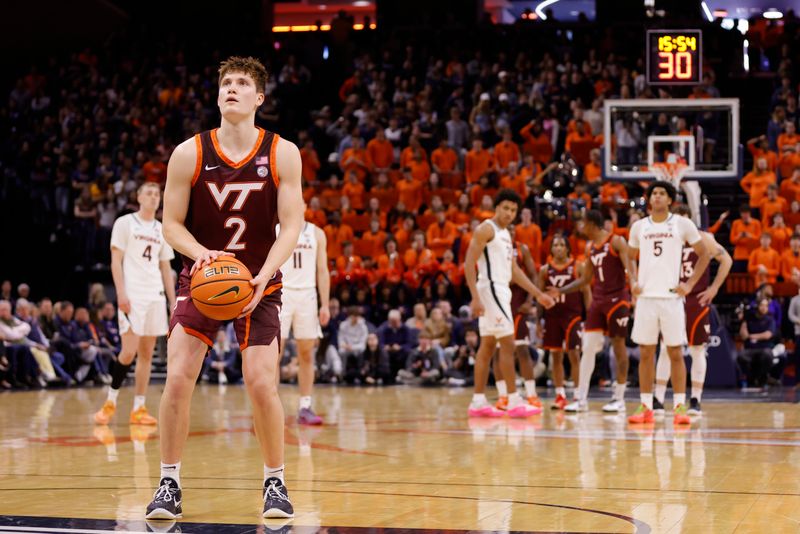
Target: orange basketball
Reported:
[(222, 289)]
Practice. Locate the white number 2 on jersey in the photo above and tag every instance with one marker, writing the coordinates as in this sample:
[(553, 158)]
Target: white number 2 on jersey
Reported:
[(240, 225)]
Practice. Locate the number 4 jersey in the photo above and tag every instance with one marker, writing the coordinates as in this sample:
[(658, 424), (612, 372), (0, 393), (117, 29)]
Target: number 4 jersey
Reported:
[(144, 247), (234, 204)]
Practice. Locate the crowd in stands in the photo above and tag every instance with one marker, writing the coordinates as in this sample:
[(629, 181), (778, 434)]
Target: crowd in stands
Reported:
[(398, 171)]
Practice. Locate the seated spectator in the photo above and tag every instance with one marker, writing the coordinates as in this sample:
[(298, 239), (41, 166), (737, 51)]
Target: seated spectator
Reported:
[(40, 345), (330, 198), (593, 171), (505, 153), (356, 160), (514, 180), (337, 233), (375, 239), (380, 152), (390, 264), (352, 335), (765, 262), (314, 213), (771, 204), (310, 161), (354, 191), (412, 151), (23, 367), (758, 332), (397, 339), (481, 189), (417, 254), (579, 199), (374, 211), (759, 148), (423, 366), (790, 259), (375, 369), (790, 186), (441, 235), (46, 318), (613, 194), (80, 354), (419, 167), (755, 182), (437, 329), (348, 263), (444, 161), (417, 321), (779, 233), (745, 233), (409, 191), (789, 160), (223, 362), (109, 329), (86, 332), (478, 162), (463, 369), (452, 270)]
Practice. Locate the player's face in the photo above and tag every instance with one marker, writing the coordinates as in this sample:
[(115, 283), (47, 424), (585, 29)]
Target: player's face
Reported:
[(559, 250), (238, 95), (149, 198), (506, 212), (659, 199)]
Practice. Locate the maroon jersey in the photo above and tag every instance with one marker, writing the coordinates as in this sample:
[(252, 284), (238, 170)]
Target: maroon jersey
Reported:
[(688, 263), (234, 205), (609, 272), (518, 295), (568, 305)]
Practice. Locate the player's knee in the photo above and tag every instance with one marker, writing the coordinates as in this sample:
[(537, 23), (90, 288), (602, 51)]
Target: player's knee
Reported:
[(126, 357), (592, 343)]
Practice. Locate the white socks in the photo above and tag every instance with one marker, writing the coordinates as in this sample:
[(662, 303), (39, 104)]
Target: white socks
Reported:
[(514, 399), (661, 392), (562, 392), (530, 388), (138, 402), (172, 471), (698, 373), (647, 400), (305, 402), (591, 345), (678, 398), (619, 391), (273, 472), (502, 389), (479, 399), (113, 394)]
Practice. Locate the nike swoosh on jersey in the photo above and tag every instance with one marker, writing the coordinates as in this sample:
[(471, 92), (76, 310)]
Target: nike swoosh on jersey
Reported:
[(211, 168), (234, 289)]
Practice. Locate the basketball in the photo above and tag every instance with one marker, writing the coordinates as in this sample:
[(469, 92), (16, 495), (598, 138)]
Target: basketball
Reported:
[(222, 289)]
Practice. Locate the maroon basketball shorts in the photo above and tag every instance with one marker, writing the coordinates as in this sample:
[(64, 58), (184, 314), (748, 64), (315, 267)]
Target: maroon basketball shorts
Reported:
[(698, 323), (561, 332), (259, 328), (609, 314), (522, 334)]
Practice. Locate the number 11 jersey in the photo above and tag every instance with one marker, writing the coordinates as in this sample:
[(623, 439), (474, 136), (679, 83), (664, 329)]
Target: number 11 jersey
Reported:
[(300, 270)]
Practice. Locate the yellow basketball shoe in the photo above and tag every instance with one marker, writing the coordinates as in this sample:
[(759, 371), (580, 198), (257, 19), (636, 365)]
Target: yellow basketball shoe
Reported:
[(141, 417), (104, 415)]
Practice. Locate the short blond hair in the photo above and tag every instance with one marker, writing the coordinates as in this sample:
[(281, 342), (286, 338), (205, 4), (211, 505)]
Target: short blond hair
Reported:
[(145, 185), (248, 65)]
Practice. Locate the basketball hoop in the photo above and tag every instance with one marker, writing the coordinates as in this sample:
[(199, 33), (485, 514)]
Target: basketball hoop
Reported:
[(673, 170)]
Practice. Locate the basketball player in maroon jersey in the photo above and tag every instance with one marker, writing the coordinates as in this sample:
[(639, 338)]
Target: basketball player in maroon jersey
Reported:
[(698, 324), (609, 312), (521, 307), (562, 322), (226, 190)]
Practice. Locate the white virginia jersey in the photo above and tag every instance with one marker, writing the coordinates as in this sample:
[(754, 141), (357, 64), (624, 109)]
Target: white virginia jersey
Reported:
[(661, 252), (144, 247), (494, 265), (300, 270)]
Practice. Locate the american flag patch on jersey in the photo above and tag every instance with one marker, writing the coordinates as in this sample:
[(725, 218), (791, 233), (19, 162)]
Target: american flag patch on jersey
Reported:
[(263, 160)]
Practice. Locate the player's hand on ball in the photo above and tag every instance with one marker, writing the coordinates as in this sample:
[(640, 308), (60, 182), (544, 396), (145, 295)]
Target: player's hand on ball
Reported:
[(206, 258), (546, 300), (124, 303), (707, 296), (324, 315), (683, 289), (259, 284), (477, 308)]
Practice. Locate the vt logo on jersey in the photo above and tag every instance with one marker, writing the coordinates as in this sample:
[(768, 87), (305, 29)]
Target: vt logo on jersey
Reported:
[(598, 257), (241, 189), (559, 280)]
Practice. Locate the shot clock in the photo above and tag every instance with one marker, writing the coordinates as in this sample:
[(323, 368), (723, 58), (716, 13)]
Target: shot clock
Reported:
[(674, 57)]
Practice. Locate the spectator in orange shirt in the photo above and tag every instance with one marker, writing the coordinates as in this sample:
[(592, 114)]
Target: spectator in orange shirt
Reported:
[(745, 233), (779, 233), (592, 171), (420, 169), (347, 262), (789, 160), (375, 237), (477, 162), (529, 233), (155, 170), (484, 211), (356, 159), (506, 152), (537, 143), (755, 182), (790, 259), (450, 268), (444, 159), (579, 198), (759, 148), (374, 211), (337, 233), (612, 194), (461, 213), (793, 217), (441, 234), (354, 191), (409, 191), (765, 262), (310, 161), (380, 152), (771, 205), (417, 253), (330, 198), (482, 188), (386, 195), (790, 187), (582, 132), (789, 137), (514, 180), (390, 264), (409, 152), (314, 213)]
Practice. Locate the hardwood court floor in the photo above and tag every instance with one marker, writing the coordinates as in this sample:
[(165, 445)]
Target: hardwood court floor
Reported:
[(401, 458)]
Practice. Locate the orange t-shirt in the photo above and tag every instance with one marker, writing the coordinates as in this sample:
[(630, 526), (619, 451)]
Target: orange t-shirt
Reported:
[(505, 153), (780, 238), (787, 139), (441, 238), (769, 155), (477, 193), (771, 207), (592, 173), (407, 156), (787, 164), (386, 197), (155, 172), (376, 241), (330, 199), (420, 170), (537, 146), (346, 264), (610, 189), (744, 245), (360, 155), (789, 262), (337, 236), (355, 192), (790, 190), (463, 245), (755, 185), (410, 194), (531, 236), (310, 164), (381, 153), (515, 183), (316, 217), (587, 199), (390, 269), (477, 164), (445, 159), (768, 258)]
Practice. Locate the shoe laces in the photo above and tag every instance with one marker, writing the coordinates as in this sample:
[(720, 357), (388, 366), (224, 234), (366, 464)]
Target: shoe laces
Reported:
[(275, 491), (165, 493)]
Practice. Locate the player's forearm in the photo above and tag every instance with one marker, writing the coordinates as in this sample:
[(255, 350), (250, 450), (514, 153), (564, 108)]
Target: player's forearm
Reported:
[(118, 276), (519, 278), (470, 276), (722, 272), (700, 268), (324, 285), (169, 286), (182, 240)]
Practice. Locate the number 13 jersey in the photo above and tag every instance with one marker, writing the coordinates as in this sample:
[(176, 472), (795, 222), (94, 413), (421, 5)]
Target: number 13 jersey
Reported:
[(234, 204), (661, 253), (144, 247)]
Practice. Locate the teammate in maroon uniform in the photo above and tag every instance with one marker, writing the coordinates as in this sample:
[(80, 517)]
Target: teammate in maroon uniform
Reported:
[(226, 189), (698, 324), (562, 322), (521, 307), (610, 309)]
